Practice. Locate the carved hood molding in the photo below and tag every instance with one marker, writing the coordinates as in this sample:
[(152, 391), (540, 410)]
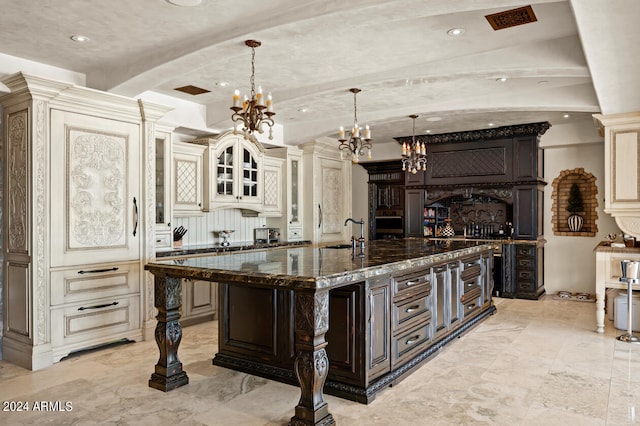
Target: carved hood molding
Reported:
[(484, 134)]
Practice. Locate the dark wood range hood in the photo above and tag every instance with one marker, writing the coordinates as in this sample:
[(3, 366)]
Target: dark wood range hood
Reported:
[(504, 164)]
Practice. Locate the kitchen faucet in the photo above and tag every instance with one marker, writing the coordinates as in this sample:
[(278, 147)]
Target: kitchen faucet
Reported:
[(361, 239)]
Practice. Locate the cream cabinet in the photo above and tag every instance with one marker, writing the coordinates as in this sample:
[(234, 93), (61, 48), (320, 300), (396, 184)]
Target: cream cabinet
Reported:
[(76, 233), (234, 173), (290, 222), (164, 172), (272, 187), (97, 204), (188, 187), (622, 174), (327, 192)]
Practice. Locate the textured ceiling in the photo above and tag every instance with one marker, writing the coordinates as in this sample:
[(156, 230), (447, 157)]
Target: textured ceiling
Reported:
[(573, 59)]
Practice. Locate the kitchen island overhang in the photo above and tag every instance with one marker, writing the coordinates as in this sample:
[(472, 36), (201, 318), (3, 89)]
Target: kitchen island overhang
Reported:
[(309, 274)]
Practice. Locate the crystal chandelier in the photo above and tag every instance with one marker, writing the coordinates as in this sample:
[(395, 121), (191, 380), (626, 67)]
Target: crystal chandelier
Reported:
[(353, 146), (414, 155), (253, 113)]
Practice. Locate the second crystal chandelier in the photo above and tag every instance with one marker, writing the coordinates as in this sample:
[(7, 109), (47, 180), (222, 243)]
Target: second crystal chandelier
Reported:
[(414, 155), (355, 145)]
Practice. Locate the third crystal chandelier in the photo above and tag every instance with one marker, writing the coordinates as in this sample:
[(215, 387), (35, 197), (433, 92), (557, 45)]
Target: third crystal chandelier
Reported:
[(414, 155)]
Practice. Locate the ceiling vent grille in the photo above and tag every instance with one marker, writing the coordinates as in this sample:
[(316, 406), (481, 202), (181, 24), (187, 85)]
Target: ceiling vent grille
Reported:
[(511, 18), (192, 90)]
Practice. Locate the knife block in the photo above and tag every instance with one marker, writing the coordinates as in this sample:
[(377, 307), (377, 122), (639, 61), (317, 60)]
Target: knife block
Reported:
[(177, 244)]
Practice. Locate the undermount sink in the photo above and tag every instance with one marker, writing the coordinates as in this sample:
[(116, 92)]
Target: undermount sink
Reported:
[(339, 246)]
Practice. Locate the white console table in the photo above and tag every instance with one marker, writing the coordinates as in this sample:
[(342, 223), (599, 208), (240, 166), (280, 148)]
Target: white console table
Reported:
[(608, 273)]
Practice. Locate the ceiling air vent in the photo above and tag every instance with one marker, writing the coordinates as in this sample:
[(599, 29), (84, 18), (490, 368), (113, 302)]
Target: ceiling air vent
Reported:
[(192, 90), (511, 18)]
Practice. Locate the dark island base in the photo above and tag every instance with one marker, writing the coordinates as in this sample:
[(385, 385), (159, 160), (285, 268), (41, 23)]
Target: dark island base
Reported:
[(363, 395)]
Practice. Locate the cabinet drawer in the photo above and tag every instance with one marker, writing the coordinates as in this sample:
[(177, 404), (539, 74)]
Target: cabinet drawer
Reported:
[(470, 284), (414, 282), (527, 286), (525, 251), (410, 343), (295, 234), (471, 307), (163, 240), (526, 275), (94, 281), (525, 264), (412, 310), (96, 322)]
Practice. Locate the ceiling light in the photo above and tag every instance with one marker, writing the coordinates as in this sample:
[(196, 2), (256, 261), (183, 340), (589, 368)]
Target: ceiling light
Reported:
[(255, 112), (222, 83), (304, 109), (501, 79), (428, 131), (79, 38), (355, 144), (414, 155), (454, 32), (566, 115), (491, 124), (434, 118)]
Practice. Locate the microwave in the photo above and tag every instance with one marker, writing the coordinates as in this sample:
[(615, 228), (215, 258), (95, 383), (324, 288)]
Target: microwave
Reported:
[(266, 235)]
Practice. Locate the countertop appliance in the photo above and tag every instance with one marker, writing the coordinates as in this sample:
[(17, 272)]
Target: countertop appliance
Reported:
[(266, 235)]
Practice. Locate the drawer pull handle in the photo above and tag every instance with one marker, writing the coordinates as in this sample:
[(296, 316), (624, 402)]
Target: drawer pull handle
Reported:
[(97, 271), (471, 306), (410, 283), (411, 340), (83, 308), (412, 308)]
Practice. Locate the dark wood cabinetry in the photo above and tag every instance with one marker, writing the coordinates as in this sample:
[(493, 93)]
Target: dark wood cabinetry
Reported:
[(379, 329), (504, 164)]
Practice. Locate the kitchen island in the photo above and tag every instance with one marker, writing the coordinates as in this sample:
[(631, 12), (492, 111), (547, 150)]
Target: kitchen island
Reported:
[(305, 314)]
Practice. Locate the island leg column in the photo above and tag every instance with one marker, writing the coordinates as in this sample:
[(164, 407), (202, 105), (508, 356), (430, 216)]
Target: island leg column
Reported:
[(168, 298), (312, 363)]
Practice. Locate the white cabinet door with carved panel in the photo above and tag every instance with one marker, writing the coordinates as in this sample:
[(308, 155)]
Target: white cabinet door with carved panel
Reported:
[(95, 189), (188, 179), (327, 192), (272, 198)]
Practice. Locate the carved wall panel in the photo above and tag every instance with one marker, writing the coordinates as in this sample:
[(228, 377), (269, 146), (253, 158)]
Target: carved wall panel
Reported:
[(18, 169), (476, 162), (332, 221)]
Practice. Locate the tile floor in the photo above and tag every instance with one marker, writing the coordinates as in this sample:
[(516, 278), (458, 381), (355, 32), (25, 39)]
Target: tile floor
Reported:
[(532, 363)]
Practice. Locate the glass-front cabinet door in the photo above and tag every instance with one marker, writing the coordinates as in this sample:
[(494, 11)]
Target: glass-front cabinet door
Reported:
[(225, 172), (249, 174), (163, 210), (237, 180)]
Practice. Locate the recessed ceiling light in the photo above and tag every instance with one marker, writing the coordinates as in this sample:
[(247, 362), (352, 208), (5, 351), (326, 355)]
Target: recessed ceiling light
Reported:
[(543, 82), (501, 79), (455, 32), (79, 38), (185, 3), (304, 109), (491, 124), (565, 115), (434, 118), (428, 131), (222, 83)]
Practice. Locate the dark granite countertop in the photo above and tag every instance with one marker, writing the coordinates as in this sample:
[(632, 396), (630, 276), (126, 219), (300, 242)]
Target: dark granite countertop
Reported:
[(316, 267), (216, 248)]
